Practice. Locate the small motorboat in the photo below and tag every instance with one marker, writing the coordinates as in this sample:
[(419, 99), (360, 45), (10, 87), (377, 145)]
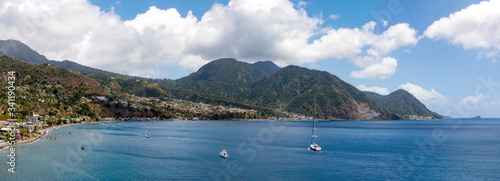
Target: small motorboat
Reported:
[(147, 135), (223, 154)]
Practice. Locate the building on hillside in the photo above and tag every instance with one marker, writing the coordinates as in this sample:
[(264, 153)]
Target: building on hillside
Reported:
[(4, 130), (31, 119)]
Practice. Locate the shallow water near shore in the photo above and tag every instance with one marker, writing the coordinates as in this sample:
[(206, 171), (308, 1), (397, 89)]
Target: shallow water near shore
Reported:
[(453, 149)]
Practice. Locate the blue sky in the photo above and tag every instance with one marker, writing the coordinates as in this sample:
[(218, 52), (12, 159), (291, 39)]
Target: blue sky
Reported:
[(444, 67)]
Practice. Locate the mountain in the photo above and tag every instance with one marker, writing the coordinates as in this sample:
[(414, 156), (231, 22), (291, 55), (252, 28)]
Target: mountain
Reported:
[(18, 50), (267, 66), (47, 89), (294, 88), (123, 83), (29, 74), (403, 103), (21, 51), (263, 86), (223, 77), (116, 83)]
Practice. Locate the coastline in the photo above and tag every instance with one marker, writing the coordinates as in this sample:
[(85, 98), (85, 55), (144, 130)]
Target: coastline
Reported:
[(46, 131)]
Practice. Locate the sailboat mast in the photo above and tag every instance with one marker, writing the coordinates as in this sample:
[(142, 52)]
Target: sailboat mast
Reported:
[(314, 122)]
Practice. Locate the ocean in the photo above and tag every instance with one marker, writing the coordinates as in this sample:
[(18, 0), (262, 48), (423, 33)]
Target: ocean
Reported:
[(450, 149)]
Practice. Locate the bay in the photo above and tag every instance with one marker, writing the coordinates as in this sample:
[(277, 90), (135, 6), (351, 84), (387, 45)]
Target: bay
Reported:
[(450, 149)]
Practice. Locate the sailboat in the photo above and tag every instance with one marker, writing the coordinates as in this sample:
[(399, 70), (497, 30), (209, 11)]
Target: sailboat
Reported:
[(313, 145)]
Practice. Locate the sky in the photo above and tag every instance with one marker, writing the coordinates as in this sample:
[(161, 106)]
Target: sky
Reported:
[(443, 52)]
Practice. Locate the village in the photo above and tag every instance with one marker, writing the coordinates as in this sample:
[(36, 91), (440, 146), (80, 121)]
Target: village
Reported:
[(31, 124)]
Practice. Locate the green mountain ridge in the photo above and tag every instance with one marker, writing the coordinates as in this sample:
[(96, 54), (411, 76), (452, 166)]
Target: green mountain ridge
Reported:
[(225, 77), (261, 85), (294, 88), (55, 91), (115, 82), (403, 103), (18, 50), (48, 89)]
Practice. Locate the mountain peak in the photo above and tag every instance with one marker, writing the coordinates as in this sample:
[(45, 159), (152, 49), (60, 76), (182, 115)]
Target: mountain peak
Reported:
[(224, 60), (225, 76), (403, 103), (21, 51), (401, 91), (294, 88), (267, 66)]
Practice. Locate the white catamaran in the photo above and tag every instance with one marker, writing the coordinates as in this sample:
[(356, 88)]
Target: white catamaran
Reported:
[(313, 145)]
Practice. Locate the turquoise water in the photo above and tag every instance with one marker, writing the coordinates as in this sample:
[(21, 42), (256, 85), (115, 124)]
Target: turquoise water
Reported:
[(352, 150)]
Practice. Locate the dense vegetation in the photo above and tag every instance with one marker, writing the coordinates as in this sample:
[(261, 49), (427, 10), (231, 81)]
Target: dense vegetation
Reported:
[(403, 103), (59, 93), (30, 74), (225, 77), (261, 86), (48, 89), (294, 88)]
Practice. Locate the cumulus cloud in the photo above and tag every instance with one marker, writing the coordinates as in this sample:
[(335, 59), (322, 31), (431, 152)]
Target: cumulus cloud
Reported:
[(434, 100), (476, 105), (467, 107), (472, 103), (475, 27), (247, 30), (380, 70), (378, 90)]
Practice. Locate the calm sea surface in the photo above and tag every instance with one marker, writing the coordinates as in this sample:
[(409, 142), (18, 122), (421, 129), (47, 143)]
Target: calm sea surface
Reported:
[(453, 149)]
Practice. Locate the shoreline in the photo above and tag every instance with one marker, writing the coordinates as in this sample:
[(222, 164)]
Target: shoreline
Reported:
[(5, 145)]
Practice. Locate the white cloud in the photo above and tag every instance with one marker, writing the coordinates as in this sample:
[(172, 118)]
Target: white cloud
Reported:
[(380, 70), (492, 55), (467, 107), (434, 100), (378, 90), (301, 4), (473, 27), (247, 30), (333, 16), (472, 103), (477, 105)]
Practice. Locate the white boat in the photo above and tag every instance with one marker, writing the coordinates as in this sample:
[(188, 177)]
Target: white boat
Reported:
[(223, 154), (314, 146), (147, 135)]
